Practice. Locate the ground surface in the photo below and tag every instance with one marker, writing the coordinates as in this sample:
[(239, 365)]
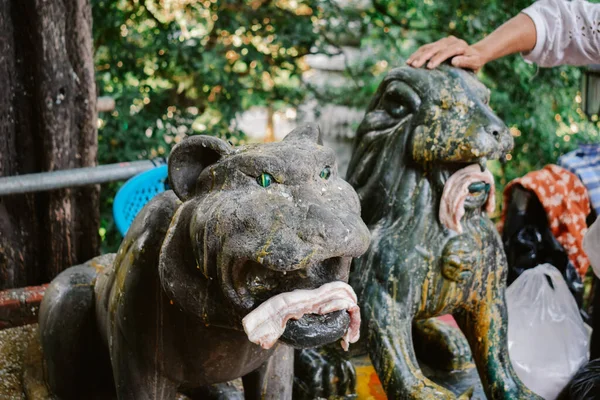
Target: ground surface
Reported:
[(368, 386), (16, 355), (13, 343)]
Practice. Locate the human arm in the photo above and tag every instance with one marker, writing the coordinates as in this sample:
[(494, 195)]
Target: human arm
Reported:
[(516, 35), (549, 33)]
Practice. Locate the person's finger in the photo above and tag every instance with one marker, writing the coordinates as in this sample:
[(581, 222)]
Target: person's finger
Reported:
[(468, 61), (424, 55), (419, 53), (414, 56), (445, 54)]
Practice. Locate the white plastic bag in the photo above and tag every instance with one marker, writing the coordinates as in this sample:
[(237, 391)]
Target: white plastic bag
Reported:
[(547, 339)]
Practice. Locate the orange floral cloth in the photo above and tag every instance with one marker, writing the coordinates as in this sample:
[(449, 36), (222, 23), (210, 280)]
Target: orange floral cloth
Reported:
[(567, 205)]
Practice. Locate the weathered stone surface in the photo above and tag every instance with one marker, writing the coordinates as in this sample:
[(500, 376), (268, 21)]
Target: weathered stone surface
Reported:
[(421, 127), (241, 226), (22, 373)]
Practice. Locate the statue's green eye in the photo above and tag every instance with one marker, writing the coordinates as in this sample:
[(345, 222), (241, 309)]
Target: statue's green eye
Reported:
[(326, 173), (265, 180)]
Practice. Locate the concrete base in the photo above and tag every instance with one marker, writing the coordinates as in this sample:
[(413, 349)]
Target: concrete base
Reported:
[(13, 344)]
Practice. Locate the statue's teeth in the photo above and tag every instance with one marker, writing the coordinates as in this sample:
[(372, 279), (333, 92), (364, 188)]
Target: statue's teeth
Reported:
[(483, 164)]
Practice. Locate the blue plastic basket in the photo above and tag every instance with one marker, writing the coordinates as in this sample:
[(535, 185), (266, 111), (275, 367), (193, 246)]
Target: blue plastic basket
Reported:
[(135, 193)]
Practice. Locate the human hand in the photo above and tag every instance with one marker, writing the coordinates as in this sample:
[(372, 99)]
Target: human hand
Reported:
[(463, 55)]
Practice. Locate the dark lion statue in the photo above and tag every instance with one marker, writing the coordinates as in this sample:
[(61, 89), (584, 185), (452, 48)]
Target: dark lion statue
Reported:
[(419, 168), (215, 280)]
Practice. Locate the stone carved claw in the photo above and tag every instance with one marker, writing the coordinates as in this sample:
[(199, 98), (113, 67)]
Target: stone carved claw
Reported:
[(460, 257)]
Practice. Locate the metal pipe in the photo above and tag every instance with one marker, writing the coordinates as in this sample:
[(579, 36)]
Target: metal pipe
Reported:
[(74, 177), (20, 306)]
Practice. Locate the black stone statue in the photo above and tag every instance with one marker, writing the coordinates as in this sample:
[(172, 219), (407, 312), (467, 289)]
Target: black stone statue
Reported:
[(419, 168), (242, 228)]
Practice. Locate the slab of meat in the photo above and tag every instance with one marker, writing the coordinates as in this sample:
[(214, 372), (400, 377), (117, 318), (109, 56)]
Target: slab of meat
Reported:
[(265, 324), (456, 190)]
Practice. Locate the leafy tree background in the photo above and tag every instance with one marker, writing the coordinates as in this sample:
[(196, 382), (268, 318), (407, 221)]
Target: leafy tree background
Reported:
[(177, 68), (185, 67)]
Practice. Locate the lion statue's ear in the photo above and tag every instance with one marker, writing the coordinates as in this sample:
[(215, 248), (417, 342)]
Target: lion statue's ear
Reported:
[(310, 132), (190, 157)]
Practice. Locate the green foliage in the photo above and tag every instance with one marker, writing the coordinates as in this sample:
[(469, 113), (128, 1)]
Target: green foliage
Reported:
[(188, 66), (183, 67)]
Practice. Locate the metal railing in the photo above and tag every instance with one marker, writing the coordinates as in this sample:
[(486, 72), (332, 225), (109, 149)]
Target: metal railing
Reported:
[(69, 178)]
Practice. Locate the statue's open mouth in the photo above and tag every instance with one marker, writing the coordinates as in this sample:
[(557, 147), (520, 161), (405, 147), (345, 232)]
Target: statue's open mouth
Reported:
[(468, 188), (306, 317)]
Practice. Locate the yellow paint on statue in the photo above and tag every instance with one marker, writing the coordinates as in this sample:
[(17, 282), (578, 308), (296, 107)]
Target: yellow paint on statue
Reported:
[(368, 386)]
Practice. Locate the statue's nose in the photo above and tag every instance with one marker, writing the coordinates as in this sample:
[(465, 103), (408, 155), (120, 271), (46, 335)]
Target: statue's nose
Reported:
[(344, 232), (496, 130), (500, 133), (322, 224)]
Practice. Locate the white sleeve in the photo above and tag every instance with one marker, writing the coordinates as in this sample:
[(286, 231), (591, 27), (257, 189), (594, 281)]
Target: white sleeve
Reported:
[(568, 32)]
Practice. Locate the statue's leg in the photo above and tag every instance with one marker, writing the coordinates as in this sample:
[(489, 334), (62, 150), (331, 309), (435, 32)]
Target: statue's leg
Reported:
[(323, 372), (76, 361), (137, 379), (274, 379), (391, 350), (219, 391), (486, 330), (441, 346)]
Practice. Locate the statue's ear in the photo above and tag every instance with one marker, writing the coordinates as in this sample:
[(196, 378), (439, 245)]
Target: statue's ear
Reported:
[(189, 158), (309, 132)]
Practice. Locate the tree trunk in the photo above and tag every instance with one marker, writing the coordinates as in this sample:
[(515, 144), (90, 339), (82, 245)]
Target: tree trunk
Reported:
[(47, 123)]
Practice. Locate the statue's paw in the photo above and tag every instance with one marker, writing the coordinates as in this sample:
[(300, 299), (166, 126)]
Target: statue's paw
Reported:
[(323, 373), (457, 347), (441, 345), (459, 258), (219, 391), (456, 272)]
